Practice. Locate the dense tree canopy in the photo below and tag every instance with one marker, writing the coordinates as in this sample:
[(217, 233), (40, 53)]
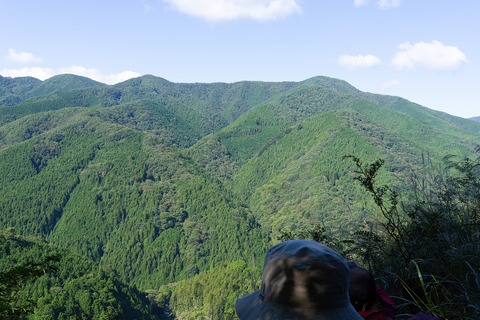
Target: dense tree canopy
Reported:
[(178, 190)]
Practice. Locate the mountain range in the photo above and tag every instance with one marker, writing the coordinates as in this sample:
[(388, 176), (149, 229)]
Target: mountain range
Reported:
[(163, 183)]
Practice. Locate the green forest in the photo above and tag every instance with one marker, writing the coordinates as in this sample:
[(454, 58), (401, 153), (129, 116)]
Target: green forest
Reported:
[(158, 200)]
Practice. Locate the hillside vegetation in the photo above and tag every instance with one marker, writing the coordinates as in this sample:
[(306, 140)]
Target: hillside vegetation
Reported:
[(177, 190)]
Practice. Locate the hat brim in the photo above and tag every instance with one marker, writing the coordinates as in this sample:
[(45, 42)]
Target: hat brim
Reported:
[(252, 307)]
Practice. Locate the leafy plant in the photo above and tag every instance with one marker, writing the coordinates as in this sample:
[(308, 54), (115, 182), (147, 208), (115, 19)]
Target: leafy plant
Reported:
[(429, 242)]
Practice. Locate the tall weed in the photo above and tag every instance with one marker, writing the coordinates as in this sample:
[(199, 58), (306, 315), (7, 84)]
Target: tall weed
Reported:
[(427, 247)]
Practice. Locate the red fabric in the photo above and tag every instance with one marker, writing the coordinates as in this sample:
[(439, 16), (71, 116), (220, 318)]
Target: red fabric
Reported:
[(375, 315), (387, 311), (386, 302)]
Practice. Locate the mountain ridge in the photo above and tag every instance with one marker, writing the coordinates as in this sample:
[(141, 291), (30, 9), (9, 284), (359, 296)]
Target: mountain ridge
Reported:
[(16, 90), (161, 182), (67, 82)]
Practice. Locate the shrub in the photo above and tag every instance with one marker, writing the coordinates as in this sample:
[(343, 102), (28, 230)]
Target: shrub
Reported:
[(427, 247)]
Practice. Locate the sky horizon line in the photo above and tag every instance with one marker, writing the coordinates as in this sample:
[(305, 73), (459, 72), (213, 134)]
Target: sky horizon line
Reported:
[(427, 52), (231, 82)]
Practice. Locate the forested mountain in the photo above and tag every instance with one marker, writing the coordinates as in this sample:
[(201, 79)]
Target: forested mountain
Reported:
[(78, 288), (475, 119), (179, 189), (16, 90)]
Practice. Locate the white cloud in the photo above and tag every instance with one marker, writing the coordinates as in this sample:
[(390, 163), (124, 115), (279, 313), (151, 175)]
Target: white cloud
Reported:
[(36, 72), (120, 77), (383, 4), (430, 55), (218, 10), (43, 73), (22, 57), (97, 75), (359, 61)]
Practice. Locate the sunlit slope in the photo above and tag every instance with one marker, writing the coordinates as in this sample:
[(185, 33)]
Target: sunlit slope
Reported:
[(285, 157), (122, 197), (160, 181), (195, 109)]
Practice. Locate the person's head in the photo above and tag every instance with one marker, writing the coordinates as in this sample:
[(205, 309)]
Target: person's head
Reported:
[(362, 288), (302, 279)]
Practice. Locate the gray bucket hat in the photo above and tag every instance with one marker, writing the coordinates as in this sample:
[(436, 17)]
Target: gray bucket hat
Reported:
[(302, 279)]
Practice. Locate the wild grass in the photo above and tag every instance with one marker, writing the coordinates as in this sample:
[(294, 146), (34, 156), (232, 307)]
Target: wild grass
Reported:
[(427, 248)]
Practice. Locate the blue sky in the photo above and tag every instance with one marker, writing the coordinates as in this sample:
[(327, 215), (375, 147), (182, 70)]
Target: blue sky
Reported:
[(427, 51)]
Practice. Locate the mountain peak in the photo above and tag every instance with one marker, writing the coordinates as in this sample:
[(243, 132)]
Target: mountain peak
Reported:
[(145, 80), (331, 83), (71, 80)]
